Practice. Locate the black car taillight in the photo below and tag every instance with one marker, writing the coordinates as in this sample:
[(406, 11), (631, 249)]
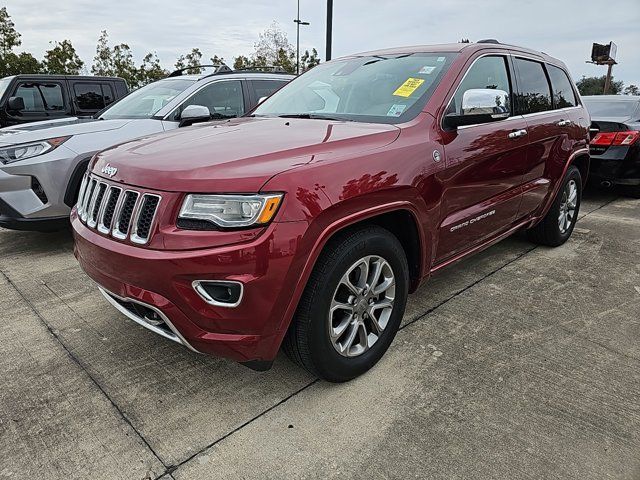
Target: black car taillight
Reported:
[(605, 139)]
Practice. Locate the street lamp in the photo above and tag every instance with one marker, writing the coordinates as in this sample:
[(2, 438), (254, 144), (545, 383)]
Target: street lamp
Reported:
[(298, 22)]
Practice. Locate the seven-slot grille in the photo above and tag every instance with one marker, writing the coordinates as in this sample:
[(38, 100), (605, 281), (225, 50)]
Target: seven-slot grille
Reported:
[(120, 212)]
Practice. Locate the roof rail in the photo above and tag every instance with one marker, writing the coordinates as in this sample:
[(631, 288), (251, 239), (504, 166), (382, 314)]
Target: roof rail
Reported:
[(218, 69), (489, 40), (270, 68)]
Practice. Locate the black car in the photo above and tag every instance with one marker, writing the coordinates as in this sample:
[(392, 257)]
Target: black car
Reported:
[(615, 141), (32, 98)]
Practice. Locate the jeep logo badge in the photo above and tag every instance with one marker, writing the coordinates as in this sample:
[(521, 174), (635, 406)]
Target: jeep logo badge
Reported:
[(109, 170)]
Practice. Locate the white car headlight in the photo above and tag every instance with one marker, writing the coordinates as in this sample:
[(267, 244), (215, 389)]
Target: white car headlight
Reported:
[(22, 151), (230, 211)]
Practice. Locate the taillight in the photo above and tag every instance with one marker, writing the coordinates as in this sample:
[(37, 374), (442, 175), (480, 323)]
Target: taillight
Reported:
[(616, 138), (626, 138), (604, 138)]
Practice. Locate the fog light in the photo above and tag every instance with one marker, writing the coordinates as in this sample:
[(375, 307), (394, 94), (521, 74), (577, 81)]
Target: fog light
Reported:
[(219, 293)]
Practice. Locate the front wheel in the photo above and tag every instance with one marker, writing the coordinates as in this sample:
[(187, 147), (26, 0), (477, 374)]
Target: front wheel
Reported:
[(352, 306), (557, 225)]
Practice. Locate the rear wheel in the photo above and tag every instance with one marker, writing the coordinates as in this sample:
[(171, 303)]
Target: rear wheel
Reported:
[(352, 306), (558, 224)]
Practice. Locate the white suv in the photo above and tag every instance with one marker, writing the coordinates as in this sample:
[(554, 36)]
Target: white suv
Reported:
[(42, 163)]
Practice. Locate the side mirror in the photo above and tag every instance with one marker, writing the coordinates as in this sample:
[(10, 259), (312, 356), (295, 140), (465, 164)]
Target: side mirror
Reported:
[(16, 104), (480, 105), (194, 113)]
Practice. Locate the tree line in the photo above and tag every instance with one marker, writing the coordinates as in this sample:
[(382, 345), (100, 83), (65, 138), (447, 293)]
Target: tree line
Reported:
[(271, 49)]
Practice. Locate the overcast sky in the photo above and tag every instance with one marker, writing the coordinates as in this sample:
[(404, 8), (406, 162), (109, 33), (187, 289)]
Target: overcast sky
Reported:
[(562, 28)]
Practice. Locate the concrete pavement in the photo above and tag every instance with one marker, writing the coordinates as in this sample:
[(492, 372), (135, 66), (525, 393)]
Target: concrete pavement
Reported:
[(520, 362)]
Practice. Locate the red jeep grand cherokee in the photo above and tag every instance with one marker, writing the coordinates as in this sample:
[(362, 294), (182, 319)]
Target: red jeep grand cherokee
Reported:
[(307, 223)]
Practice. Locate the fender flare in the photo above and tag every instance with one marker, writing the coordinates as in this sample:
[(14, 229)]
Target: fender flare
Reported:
[(339, 225), (577, 153)]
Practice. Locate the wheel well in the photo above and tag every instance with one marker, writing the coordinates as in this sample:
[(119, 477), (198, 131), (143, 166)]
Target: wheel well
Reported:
[(71, 194), (402, 224), (582, 162)]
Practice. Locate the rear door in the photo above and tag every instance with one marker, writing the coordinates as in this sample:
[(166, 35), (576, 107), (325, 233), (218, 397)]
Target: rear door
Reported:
[(550, 128), (90, 97), (43, 100), (484, 165)]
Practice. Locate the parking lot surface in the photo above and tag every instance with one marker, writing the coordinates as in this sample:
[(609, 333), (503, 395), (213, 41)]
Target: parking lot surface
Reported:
[(519, 362)]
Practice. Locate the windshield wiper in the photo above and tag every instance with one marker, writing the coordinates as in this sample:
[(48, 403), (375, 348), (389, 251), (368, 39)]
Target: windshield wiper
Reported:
[(313, 116)]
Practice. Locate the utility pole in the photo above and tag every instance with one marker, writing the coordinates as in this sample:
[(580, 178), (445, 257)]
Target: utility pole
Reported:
[(607, 81), (298, 22), (604, 55), (329, 29)]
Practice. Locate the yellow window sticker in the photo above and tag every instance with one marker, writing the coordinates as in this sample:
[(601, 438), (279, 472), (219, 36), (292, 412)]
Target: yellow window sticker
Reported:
[(408, 87)]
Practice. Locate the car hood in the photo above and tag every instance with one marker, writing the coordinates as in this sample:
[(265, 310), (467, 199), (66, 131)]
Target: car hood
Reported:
[(33, 132), (236, 156)]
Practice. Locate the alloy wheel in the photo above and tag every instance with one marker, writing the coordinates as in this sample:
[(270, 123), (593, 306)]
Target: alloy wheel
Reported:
[(568, 206), (361, 306)]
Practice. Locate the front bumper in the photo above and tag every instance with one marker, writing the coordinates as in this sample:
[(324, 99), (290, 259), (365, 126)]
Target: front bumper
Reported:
[(268, 268), (20, 207)]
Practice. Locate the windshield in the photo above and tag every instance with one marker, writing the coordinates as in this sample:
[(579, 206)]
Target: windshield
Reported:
[(146, 101), (4, 83), (379, 89), (599, 107)]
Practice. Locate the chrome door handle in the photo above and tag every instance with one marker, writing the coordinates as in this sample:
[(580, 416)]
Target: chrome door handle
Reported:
[(563, 123), (517, 134)]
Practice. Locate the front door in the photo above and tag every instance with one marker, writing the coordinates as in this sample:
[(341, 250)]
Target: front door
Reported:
[(484, 166), (43, 100)]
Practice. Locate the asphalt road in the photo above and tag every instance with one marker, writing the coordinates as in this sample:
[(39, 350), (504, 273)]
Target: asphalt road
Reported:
[(521, 362)]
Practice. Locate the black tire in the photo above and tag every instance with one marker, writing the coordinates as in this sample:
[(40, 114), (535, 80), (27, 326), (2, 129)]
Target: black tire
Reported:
[(308, 341), (548, 231)]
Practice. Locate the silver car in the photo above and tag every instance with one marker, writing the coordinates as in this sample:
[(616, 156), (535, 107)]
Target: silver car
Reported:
[(42, 163)]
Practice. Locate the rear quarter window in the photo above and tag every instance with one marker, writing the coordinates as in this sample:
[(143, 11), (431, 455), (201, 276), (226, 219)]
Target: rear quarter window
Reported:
[(563, 94)]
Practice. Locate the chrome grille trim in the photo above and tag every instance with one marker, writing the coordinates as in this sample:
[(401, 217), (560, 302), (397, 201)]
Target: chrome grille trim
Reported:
[(96, 204), (116, 211), (121, 231), (83, 188), (135, 220), (113, 192)]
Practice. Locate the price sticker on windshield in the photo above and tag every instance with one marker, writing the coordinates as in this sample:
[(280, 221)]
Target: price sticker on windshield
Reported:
[(408, 87)]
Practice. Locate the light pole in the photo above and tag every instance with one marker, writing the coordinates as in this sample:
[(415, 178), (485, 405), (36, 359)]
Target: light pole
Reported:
[(298, 22), (329, 28)]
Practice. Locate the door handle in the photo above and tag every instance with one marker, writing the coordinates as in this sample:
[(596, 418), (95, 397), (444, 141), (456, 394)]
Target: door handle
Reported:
[(517, 134), (563, 123)]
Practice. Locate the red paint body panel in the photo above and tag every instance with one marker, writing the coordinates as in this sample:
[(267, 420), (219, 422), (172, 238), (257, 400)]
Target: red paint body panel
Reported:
[(333, 174)]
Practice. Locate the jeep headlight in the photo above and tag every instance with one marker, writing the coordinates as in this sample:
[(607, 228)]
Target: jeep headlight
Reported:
[(231, 211), (22, 151)]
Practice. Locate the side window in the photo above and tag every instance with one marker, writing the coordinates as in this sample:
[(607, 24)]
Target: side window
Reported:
[(222, 98), (264, 88), (107, 94), (41, 97), (563, 94), (485, 73), (534, 94), (89, 96)]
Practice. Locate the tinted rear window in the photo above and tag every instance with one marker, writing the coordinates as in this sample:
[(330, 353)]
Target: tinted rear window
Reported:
[(563, 93), (89, 96), (600, 107), (534, 94)]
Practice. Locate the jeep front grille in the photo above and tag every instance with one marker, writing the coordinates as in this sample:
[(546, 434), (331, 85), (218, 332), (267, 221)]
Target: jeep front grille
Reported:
[(112, 210)]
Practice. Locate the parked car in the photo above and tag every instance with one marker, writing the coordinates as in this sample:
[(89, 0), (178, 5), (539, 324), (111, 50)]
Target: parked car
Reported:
[(33, 98), (615, 141), (361, 178), (41, 164)]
